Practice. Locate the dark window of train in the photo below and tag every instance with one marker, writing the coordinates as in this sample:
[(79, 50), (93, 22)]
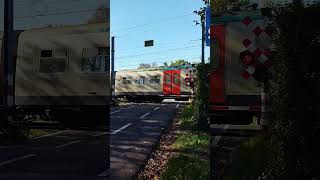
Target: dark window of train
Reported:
[(176, 79), (53, 61), (155, 80), (46, 53), (126, 81), (95, 59), (141, 80), (168, 79)]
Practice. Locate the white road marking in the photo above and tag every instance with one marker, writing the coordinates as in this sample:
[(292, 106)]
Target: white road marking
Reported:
[(177, 105), (162, 104), (145, 115), (156, 108), (96, 135), (67, 144), (17, 159), (52, 134), (105, 173), (122, 128), (130, 107), (217, 139), (115, 112)]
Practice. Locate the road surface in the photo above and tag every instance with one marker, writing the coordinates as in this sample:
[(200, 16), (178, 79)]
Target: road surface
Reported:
[(83, 154)]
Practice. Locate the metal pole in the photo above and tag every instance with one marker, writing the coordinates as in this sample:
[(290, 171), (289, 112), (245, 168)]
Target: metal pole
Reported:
[(8, 61), (203, 40), (112, 67)]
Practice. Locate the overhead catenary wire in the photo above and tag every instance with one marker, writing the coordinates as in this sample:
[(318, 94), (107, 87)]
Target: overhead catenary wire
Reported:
[(161, 45), (159, 52), (152, 22)]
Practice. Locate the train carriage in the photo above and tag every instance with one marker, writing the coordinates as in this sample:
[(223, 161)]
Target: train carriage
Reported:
[(64, 71), (155, 84), (240, 50)]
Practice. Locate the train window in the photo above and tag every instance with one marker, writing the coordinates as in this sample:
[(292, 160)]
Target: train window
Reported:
[(125, 81), (46, 53), (53, 65), (176, 79), (53, 61), (95, 60), (168, 79), (141, 80), (155, 80)]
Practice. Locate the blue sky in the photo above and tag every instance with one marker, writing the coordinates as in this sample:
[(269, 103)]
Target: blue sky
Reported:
[(169, 23)]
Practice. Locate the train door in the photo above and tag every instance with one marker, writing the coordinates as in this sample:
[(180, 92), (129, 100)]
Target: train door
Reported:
[(171, 82), (217, 75), (175, 88)]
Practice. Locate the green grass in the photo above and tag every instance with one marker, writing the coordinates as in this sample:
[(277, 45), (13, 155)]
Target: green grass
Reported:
[(183, 167), (250, 160), (187, 164), (186, 119), (36, 133), (197, 142)]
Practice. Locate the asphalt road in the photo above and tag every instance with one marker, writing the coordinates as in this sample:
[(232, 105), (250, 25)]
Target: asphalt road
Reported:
[(83, 154), (141, 126)]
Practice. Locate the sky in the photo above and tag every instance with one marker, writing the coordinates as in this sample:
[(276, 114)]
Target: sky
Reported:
[(169, 23)]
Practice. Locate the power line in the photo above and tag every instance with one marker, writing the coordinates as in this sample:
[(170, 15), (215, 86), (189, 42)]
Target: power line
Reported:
[(161, 45), (168, 50), (152, 22)]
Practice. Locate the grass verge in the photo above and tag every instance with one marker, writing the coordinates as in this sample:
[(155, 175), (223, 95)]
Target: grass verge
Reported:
[(251, 158), (192, 159)]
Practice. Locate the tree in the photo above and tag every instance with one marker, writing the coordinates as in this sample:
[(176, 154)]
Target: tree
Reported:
[(223, 5), (179, 62), (165, 64), (144, 66), (154, 65)]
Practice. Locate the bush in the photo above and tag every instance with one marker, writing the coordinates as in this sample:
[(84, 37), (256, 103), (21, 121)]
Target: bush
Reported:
[(295, 93)]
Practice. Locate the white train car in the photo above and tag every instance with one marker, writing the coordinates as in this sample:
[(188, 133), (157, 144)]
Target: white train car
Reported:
[(64, 71), (155, 84)]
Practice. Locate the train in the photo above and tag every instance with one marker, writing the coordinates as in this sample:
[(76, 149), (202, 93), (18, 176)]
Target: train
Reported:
[(240, 53), (155, 84), (62, 73)]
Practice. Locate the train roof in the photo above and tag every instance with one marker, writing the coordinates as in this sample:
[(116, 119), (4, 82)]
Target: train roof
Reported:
[(224, 17)]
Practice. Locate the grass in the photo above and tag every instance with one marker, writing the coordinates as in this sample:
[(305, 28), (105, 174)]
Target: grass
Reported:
[(185, 119), (186, 168), (189, 140), (250, 159), (187, 164), (36, 133)]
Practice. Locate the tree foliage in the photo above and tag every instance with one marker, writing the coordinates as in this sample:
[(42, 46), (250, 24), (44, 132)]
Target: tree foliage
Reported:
[(179, 62), (202, 93), (144, 66), (295, 94), (223, 5)]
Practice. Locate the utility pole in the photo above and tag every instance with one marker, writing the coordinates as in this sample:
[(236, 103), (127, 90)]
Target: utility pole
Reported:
[(203, 27), (112, 68), (8, 62)]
